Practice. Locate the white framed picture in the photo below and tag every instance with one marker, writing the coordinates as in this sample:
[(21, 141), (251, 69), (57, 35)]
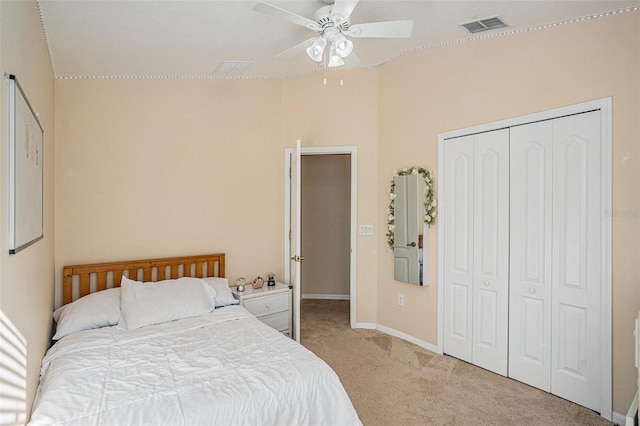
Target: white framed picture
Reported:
[(26, 162)]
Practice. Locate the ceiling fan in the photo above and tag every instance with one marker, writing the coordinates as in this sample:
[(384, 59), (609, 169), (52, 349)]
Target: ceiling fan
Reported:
[(332, 24)]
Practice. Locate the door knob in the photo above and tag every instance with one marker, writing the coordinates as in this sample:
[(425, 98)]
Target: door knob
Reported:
[(487, 283), (532, 290), (411, 244)]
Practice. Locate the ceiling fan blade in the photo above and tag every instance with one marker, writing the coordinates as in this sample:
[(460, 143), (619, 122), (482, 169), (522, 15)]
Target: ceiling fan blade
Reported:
[(389, 29), (342, 10), (272, 10), (352, 61), (295, 50)]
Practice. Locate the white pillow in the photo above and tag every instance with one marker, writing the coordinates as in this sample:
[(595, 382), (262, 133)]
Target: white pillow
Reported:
[(224, 296), (96, 310), (145, 304)]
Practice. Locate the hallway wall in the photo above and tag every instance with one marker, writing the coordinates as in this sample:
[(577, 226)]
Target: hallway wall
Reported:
[(326, 205)]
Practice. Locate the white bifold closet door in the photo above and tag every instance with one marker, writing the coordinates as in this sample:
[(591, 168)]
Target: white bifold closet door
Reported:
[(531, 179), (556, 240), (476, 216), (523, 217)]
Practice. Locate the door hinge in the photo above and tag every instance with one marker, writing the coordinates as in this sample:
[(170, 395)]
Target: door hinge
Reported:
[(297, 258), (289, 234)]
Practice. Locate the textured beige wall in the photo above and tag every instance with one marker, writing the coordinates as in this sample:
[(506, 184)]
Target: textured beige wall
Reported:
[(150, 168), (26, 279), (153, 168), (441, 89), (326, 224), (334, 115), (166, 167)]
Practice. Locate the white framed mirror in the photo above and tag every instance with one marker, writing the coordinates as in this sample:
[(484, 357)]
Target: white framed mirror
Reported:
[(411, 210)]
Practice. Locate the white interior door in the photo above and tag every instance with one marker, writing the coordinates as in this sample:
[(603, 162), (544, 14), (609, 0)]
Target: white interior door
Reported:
[(530, 252), (295, 257), (458, 245), (491, 250), (292, 210), (577, 241)]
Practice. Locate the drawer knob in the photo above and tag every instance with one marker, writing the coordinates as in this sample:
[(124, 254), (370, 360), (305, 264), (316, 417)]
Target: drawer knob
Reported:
[(268, 305)]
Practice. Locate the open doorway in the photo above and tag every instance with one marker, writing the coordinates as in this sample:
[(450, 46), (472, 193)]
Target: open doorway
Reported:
[(326, 212), (325, 188), (294, 266)]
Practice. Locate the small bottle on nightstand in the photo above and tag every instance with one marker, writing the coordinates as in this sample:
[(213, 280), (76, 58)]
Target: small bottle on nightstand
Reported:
[(271, 279)]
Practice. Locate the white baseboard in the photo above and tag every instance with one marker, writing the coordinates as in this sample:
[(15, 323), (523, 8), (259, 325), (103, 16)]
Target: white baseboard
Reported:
[(619, 419), (365, 325), (622, 420), (630, 418), (395, 333), (327, 296)]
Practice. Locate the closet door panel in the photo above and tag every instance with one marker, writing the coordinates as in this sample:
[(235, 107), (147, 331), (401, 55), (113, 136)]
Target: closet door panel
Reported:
[(530, 254), (491, 250), (458, 268), (575, 372)]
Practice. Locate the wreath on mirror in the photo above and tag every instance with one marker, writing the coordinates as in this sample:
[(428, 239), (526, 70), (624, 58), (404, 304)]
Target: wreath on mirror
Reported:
[(430, 202)]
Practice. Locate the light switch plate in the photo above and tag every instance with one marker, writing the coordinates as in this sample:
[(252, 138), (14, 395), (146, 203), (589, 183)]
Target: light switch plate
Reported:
[(365, 230)]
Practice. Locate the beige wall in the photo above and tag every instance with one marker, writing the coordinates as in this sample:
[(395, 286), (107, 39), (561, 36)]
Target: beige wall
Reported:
[(150, 168), (26, 279), (326, 224), (157, 168), (453, 87)]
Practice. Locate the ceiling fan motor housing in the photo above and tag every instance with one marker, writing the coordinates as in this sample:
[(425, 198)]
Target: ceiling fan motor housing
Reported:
[(323, 17)]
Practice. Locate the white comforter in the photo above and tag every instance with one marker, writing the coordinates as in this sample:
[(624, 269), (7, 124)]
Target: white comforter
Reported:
[(222, 368)]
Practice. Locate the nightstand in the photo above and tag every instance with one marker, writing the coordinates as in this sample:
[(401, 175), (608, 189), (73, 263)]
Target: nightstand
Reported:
[(272, 305)]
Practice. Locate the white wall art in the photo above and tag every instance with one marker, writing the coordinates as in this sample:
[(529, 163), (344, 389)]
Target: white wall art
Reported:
[(26, 158)]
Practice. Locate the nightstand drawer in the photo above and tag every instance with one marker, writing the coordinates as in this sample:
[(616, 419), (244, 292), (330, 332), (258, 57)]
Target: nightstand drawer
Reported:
[(278, 321), (267, 305)]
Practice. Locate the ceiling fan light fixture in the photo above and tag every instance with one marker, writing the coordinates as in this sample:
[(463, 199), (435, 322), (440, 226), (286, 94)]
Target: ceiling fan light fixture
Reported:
[(335, 61), (332, 24), (343, 46), (316, 50)]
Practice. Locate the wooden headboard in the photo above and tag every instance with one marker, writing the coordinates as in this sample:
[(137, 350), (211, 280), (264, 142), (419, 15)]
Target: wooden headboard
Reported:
[(89, 278)]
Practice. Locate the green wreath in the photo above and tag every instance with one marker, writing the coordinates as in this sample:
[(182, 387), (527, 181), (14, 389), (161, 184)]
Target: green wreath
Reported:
[(430, 203)]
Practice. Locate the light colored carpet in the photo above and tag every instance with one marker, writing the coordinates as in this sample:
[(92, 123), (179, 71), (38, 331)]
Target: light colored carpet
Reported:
[(393, 382)]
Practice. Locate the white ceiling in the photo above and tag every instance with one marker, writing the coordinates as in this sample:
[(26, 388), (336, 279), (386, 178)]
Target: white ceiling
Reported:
[(181, 38)]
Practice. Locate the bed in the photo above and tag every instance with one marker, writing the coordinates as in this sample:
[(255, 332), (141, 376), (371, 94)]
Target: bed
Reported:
[(176, 363)]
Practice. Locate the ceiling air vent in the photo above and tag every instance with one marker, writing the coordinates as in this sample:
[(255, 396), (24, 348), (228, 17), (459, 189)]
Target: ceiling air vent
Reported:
[(484, 25)]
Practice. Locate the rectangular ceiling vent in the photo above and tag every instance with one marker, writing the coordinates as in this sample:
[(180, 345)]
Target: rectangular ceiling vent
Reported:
[(232, 67), (484, 25)]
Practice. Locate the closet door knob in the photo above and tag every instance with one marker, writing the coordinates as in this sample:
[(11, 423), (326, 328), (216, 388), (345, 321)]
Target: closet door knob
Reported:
[(487, 283), (532, 290), (268, 306)]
